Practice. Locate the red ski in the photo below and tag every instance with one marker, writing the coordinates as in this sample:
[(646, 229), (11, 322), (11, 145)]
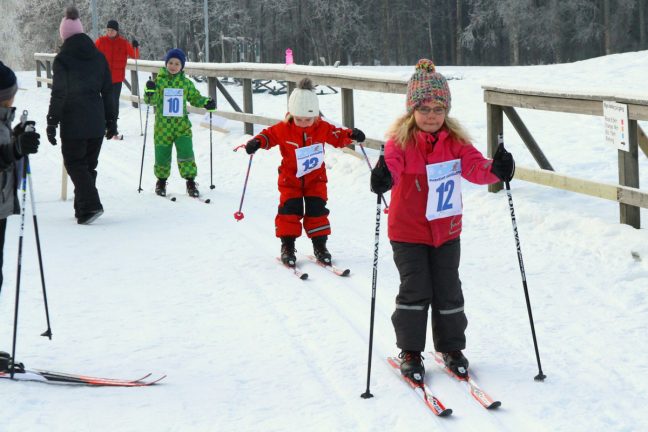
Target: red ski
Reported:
[(475, 391), (422, 390)]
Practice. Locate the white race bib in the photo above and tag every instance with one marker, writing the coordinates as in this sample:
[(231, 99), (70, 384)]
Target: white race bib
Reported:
[(444, 195), (173, 102), (309, 158)]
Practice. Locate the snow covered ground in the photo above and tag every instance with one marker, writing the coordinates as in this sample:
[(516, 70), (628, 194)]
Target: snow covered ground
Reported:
[(183, 289)]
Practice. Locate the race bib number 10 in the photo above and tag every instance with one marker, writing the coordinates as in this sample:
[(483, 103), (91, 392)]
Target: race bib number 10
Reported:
[(309, 158), (173, 102), (444, 196)]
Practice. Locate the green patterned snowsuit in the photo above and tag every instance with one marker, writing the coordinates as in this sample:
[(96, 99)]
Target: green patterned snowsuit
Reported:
[(174, 129)]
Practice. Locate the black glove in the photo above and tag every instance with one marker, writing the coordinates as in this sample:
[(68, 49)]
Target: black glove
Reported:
[(210, 105), (111, 129), (381, 179), (150, 87), (135, 43), (357, 135), (252, 146), (52, 123), (27, 143), (19, 129), (503, 164)]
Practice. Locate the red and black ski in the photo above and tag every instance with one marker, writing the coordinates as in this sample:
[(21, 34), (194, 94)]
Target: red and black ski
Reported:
[(475, 391), (422, 390)]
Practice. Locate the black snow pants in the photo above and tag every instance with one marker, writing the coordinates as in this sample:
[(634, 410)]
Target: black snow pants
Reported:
[(429, 277), (81, 157)]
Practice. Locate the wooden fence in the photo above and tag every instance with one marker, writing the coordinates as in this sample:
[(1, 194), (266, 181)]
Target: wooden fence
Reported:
[(502, 100), (499, 100)]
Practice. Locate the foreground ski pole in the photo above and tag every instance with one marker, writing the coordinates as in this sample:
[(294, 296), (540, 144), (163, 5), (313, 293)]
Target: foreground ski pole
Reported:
[(139, 189), (367, 394), (239, 214), (19, 267), (47, 333), (540, 376), (211, 168), (369, 164), (30, 128)]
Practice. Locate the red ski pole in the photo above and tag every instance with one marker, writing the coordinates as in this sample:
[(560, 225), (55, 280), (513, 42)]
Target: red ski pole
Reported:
[(239, 214)]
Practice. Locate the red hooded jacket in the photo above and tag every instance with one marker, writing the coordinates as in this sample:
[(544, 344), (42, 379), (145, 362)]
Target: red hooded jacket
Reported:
[(117, 52), (407, 221), (289, 137)]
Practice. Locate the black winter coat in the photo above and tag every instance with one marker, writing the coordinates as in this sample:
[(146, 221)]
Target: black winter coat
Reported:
[(81, 89)]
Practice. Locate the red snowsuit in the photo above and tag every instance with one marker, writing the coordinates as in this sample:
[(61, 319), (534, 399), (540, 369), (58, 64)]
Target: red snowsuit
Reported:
[(117, 50), (310, 188)]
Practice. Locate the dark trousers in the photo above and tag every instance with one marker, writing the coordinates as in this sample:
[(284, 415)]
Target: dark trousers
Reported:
[(116, 88), (429, 278), (3, 229), (81, 157)]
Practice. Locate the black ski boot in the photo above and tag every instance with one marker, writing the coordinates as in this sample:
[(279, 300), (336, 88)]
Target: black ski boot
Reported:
[(288, 251), (319, 249), (4, 361), (457, 363), (160, 187), (412, 365), (191, 188)]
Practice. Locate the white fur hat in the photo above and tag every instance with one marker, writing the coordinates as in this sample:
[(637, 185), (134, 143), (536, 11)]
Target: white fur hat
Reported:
[(303, 100)]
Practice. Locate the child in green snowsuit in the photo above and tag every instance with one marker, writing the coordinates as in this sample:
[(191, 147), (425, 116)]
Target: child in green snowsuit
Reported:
[(169, 94)]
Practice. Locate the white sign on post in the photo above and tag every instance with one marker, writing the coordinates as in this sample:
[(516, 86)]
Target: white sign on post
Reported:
[(615, 116)]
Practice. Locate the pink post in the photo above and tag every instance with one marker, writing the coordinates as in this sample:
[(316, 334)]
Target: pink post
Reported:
[(289, 56)]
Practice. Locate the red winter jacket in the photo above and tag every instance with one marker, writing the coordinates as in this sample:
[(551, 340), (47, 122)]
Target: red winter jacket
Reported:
[(117, 52), (407, 222), (289, 137)]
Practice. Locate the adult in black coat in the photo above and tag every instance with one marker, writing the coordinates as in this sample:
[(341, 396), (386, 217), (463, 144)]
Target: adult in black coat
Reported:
[(81, 102)]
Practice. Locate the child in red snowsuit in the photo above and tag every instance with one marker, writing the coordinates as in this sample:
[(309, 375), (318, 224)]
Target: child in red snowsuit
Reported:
[(302, 173)]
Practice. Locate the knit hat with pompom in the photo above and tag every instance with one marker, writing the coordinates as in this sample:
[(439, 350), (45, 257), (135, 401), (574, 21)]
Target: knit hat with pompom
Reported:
[(303, 100), (70, 24), (425, 85)]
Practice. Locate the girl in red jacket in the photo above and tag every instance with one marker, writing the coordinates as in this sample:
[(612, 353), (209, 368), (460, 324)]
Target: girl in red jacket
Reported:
[(426, 155), (302, 173)]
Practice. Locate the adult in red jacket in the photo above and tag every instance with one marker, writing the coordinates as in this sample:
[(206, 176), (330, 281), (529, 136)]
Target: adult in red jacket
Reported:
[(117, 51), (426, 156), (302, 173)]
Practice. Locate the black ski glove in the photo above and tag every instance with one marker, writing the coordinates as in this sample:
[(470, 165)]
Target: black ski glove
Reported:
[(357, 135), (381, 178), (210, 105), (150, 86), (27, 143), (503, 164), (51, 129), (19, 129), (111, 129), (135, 43), (252, 146)]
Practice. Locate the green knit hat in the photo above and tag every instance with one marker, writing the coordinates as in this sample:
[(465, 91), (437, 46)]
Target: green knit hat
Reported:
[(426, 84)]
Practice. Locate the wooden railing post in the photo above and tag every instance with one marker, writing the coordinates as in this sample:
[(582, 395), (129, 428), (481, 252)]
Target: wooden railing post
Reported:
[(38, 73), (629, 176), (48, 69), (348, 118), (494, 127), (247, 104), (135, 89), (211, 87)]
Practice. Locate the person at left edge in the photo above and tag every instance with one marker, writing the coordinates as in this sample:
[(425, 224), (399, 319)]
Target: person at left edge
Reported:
[(81, 102), (14, 144), (117, 50)]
